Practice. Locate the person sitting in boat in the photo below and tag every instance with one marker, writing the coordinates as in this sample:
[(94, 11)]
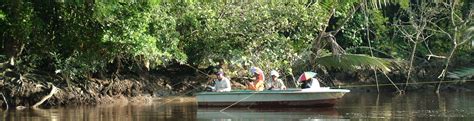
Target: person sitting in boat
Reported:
[(275, 83), (258, 78), (310, 83), (222, 83)]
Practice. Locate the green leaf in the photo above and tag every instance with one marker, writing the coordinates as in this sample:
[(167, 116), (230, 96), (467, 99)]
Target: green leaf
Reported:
[(2, 15)]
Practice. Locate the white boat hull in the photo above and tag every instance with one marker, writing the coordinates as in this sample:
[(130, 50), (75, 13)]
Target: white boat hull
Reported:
[(322, 97)]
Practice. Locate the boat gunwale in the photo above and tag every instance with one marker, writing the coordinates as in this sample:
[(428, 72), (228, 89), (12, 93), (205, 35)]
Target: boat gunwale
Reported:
[(276, 92)]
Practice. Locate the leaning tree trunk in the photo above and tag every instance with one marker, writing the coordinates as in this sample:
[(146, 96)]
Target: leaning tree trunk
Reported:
[(445, 70), (410, 67)]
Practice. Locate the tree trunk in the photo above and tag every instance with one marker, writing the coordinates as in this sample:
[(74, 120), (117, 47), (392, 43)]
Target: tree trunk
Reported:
[(367, 33), (412, 57), (445, 70)]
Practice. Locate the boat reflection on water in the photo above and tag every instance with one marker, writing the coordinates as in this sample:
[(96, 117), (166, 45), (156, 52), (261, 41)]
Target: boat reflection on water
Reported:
[(270, 114)]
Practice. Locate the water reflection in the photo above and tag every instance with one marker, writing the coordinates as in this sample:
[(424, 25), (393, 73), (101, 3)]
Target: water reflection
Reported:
[(268, 114), (413, 106), (169, 109), (354, 106)]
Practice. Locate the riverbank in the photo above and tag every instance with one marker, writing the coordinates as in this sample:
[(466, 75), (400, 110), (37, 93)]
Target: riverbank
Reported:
[(29, 89)]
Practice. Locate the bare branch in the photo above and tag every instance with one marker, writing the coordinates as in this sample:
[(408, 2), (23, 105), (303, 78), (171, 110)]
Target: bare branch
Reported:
[(425, 38), (436, 56), (439, 29), (405, 33)]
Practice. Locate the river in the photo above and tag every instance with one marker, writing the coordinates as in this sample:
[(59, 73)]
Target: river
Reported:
[(454, 106)]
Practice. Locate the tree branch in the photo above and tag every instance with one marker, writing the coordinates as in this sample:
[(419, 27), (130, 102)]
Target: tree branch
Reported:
[(438, 29), (407, 35)]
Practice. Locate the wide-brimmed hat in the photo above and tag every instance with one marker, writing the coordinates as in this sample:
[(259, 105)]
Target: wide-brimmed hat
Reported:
[(256, 70), (274, 73)]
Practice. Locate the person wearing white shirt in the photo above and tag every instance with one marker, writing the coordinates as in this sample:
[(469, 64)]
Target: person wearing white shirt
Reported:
[(222, 83), (275, 83)]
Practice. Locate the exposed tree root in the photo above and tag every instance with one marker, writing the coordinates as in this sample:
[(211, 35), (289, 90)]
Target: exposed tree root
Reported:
[(5, 100), (54, 90)]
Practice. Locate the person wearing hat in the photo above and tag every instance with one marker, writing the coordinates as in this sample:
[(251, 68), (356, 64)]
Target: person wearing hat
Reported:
[(258, 78), (275, 83), (222, 83)]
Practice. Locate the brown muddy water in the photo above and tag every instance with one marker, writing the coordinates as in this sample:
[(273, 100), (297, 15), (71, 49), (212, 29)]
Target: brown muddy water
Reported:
[(453, 106)]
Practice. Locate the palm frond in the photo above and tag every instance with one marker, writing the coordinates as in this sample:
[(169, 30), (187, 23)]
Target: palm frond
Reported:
[(354, 62), (462, 73)]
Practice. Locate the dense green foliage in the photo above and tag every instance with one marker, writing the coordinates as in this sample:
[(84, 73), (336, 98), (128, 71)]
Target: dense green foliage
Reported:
[(82, 39)]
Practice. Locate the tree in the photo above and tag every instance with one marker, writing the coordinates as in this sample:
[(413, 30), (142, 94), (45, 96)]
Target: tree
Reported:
[(416, 29), (460, 31)]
